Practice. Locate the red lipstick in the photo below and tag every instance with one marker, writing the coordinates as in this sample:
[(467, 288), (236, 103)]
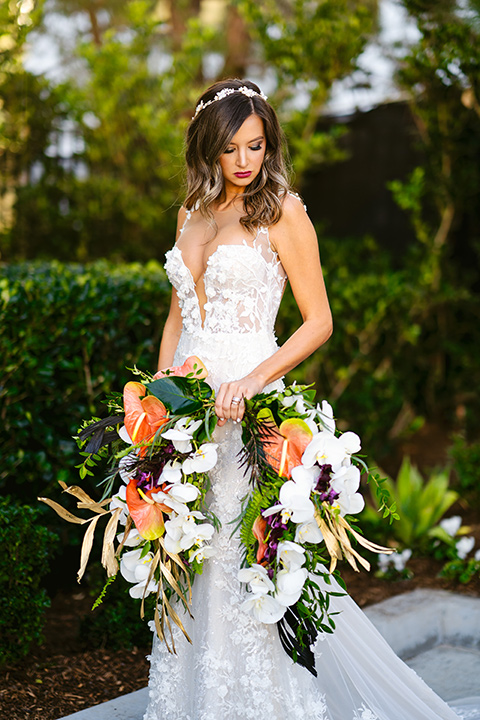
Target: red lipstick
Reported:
[(243, 174)]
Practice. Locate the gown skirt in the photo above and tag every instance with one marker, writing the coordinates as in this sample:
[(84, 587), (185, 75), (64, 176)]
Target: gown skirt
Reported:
[(235, 668)]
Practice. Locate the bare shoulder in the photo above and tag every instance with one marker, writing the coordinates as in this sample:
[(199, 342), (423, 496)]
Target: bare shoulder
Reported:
[(293, 225), (181, 217)]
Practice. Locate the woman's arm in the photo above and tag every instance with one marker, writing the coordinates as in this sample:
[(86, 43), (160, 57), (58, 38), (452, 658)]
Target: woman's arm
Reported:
[(173, 325), (171, 334), (295, 240)]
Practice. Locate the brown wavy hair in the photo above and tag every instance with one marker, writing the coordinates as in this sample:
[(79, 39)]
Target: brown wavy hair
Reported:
[(209, 135)]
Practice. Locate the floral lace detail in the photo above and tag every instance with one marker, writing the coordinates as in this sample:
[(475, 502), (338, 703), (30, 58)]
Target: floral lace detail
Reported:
[(364, 713), (233, 670), (243, 284)]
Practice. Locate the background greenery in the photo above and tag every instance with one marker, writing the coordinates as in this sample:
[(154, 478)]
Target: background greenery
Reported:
[(91, 178)]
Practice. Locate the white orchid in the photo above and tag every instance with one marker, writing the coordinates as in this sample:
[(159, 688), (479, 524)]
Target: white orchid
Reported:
[(326, 413), (290, 585), (264, 608), (176, 496), (181, 434), (257, 577), (297, 400), (133, 538), (120, 501), (136, 569), (295, 503), (177, 527), (290, 554), (464, 546), (451, 525), (308, 532), (202, 553), (203, 459), (124, 435), (172, 472), (326, 449), (197, 535), (346, 482)]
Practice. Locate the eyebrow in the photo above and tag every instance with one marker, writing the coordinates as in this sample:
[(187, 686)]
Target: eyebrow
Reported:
[(260, 137)]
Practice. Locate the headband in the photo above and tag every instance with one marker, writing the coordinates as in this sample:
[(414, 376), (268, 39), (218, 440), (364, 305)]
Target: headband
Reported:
[(224, 93)]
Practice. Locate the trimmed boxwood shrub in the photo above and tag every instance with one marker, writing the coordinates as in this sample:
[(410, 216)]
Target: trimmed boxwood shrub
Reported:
[(67, 333), (25, 547)]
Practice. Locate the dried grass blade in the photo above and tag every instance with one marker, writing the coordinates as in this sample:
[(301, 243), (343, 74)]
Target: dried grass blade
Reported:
[(109, 561), (64, 514), (87, 546)]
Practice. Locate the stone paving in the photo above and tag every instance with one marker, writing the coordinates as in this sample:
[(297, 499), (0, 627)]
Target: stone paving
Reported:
[(436, 632)]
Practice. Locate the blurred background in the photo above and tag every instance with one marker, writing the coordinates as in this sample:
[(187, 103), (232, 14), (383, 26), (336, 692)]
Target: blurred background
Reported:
[(380, 101)]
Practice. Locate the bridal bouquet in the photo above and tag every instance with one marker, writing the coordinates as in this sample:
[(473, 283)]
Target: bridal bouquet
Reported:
[(161, 451), (304, 480)]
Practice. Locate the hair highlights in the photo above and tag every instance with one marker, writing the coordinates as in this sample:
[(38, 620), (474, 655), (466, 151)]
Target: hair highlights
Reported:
[(208, 136)]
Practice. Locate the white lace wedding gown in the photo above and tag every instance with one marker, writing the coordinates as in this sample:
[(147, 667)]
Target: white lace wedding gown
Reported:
[(236, 668)]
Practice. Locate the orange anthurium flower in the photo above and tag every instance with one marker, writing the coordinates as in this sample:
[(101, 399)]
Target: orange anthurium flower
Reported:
[(258, 530), (185, 369), (285, 448), (143, 415), (146, 513)]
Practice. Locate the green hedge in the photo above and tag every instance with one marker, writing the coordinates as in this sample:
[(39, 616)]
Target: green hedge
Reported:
[(67, 333), (25, 547)]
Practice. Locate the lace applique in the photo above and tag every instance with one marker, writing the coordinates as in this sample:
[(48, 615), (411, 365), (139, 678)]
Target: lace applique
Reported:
[(243, 284), (364, 713)]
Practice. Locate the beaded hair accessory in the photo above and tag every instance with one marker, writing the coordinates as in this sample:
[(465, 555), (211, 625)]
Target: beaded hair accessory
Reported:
[(225, 93)]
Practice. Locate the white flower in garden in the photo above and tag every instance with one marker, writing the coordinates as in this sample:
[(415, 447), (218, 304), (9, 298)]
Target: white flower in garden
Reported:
[(136, 569), (384, 562), (133, 538), (464, 546), (295, 503), (264, 608), (477, 556), (257, 577), (202, 553), (290, 585), (290, 554), (451, 525), (399, 560), (308, 532), (202, 460), (181, 434), (126, 467), (346, 482), (120, 501)]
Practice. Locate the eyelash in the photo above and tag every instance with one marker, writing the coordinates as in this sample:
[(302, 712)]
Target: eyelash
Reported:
[(230, 150)]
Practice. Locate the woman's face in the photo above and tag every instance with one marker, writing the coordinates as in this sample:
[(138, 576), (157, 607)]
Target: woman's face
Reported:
[(242, 160)]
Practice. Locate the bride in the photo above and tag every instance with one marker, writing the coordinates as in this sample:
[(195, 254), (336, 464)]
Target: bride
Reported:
[(241, 235)]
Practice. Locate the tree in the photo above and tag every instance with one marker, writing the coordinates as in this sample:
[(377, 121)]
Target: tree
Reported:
[(125, 111)]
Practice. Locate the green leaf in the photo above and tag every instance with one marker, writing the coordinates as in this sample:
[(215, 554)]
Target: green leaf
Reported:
[(176, 394)]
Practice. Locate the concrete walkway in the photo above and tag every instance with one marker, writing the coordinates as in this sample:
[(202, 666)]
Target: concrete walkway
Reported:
[(436, 632)]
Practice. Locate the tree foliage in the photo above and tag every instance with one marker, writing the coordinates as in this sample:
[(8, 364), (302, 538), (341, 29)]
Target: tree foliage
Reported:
[(103, 173)]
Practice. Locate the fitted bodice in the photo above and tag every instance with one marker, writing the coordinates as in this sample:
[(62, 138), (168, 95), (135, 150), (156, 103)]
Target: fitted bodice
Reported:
[(243, 286)]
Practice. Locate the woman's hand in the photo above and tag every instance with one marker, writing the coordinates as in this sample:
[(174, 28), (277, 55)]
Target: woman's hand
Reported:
[(229, 403)]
